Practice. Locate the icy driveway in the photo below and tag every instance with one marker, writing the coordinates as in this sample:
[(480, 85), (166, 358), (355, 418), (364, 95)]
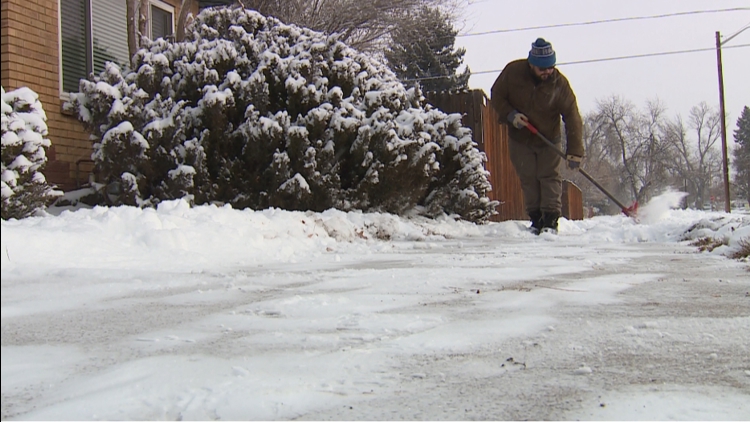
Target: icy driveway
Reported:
[(527, 328)]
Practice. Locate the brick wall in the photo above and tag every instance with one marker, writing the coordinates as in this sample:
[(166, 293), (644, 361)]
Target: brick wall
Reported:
[(30, 57)]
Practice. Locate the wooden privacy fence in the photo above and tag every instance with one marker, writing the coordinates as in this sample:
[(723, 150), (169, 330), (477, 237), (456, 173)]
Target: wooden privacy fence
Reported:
[(492, 139)]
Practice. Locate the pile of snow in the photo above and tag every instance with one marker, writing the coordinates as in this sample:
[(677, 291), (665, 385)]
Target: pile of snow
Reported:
[(177, 236)]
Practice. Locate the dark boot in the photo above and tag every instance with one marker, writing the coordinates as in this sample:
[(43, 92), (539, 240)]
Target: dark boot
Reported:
[(549, 221), (536, 222)]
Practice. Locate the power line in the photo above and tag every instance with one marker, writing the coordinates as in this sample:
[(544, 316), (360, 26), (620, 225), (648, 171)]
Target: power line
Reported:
[(561, 25), (607, 59), (729, 38)]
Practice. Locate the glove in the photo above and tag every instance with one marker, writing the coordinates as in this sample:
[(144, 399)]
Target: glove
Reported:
[(518, 120), (574, 162)]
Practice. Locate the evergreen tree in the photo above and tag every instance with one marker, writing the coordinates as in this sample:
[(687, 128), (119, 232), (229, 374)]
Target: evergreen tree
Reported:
[(24, 133), (423, 50), (254, 113), (742, 154)]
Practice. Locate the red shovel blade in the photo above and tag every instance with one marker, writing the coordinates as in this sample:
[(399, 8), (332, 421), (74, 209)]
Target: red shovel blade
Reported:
[(631, 211)]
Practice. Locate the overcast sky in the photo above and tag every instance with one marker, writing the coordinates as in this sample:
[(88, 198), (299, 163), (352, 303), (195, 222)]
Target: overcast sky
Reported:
[(680, 81)]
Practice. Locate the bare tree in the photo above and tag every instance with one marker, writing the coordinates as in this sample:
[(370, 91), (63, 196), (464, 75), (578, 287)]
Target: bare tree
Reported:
[(654, 151), (136, 25), (364, 25), (695, 159), (634, 142), (618, 119), (598, 164)]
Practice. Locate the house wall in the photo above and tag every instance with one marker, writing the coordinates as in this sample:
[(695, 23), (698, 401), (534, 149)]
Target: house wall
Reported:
[(29, 56)]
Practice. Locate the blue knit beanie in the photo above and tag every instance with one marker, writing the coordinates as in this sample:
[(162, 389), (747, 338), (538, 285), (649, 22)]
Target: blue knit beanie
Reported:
[(542, 55)]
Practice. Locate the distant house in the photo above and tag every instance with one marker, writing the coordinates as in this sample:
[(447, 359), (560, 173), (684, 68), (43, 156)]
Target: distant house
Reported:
[(49, 45)]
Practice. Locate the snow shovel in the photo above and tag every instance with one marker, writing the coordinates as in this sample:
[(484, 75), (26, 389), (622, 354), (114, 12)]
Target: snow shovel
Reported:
[(631, 211)]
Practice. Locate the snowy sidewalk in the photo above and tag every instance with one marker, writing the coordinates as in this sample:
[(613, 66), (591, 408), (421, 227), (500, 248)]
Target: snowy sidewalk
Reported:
[(662, 335), (495, 326)]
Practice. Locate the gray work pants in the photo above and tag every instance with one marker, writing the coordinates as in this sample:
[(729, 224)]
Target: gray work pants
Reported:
[(538, 167)]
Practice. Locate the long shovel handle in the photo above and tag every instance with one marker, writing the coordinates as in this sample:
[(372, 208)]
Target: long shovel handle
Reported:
[(626, 210)]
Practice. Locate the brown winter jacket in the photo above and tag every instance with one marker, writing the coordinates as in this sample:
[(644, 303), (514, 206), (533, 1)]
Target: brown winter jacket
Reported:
[(543, 102)]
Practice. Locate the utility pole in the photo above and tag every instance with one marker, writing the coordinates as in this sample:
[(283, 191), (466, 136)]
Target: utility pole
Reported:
[(727, 201)]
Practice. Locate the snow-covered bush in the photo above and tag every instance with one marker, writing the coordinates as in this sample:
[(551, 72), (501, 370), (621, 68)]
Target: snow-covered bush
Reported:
[(256, 113), (24, 129)]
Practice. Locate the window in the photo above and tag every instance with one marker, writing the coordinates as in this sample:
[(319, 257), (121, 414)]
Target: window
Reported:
[(162, 20), (93, 32), (74, 25), (109, 24)]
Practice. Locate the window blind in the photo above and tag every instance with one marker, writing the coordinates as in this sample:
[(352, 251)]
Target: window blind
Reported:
[(161, 23), (94, 32), (73, 22), (109, 21)]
